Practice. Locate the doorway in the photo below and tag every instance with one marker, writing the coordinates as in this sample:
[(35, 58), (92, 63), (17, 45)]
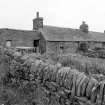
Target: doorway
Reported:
[(36, 43), (36, 46)]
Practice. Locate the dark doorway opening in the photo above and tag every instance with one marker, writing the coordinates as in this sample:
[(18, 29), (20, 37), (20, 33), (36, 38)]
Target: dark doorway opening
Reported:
[(36, 43), (36, 46)]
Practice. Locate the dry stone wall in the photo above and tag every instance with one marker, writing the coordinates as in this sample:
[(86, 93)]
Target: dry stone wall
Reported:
[(52, 84)]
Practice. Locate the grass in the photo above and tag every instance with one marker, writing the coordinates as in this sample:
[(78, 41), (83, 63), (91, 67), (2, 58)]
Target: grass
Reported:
[(84, 64)]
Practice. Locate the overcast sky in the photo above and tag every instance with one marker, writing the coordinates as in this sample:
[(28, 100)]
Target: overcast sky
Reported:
[(18, 14)]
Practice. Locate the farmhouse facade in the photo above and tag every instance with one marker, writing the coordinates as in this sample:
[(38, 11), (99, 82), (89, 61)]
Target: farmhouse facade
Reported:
[(50, 39)]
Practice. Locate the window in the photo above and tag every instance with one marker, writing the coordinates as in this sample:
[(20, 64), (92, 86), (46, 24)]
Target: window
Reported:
[(61, 47), (103, 44), (8, 43)]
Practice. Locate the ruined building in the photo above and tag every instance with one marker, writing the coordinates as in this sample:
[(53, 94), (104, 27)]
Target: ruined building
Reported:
[(50, 39)]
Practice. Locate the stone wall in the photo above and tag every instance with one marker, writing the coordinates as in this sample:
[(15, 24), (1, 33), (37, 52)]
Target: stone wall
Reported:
[(61, 47), (51, 47), (46, 84), (94, 44), (18, 37)]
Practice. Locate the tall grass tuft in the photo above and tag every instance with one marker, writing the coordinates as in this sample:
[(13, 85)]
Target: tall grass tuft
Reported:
[(83, 64)]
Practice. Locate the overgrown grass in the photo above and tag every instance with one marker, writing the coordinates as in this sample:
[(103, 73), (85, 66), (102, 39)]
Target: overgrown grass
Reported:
[(84, 64)]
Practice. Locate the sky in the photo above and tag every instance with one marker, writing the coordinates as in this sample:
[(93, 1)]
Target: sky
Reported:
[(18, 14)]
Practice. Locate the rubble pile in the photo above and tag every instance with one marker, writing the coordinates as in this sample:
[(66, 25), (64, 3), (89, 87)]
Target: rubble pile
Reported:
[(47, 84)]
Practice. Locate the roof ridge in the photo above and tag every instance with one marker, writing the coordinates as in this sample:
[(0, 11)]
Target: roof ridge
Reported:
[(17, 29), (59, 27), (76, 29)]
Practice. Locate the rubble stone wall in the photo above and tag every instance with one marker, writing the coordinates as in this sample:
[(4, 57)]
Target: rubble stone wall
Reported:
[(54, 84)]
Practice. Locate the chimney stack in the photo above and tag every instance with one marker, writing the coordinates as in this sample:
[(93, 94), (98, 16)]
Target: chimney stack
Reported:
[(104, 31), (84, 27), (37, 22)]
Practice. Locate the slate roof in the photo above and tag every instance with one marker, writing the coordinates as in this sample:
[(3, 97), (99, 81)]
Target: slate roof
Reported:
[(52, 33), (18, 34)]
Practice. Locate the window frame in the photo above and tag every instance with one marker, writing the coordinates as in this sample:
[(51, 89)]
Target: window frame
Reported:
[(8, 43)]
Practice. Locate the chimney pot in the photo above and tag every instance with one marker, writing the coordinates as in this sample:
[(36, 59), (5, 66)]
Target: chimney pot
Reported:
[(83, 22), (37, 14)]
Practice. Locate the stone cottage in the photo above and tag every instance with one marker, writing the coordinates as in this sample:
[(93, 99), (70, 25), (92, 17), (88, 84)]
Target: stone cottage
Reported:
[(50, 39)]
